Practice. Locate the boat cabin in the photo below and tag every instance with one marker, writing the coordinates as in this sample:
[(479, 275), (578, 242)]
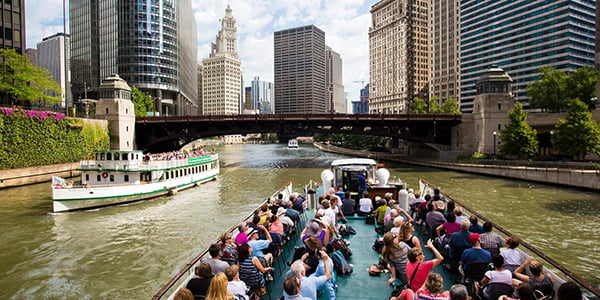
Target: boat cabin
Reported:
[(113, 167), (346, 171)]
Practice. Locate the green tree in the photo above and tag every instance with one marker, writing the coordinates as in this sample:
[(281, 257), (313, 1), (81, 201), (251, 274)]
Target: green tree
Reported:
[(578, 134), (23, 81), (434, 105), (450, 107), (518, 138), (549, 93), (418, 106), (582, 85), (142, 102)]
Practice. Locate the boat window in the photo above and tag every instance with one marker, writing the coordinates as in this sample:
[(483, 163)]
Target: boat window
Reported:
[(98, 178), (167, 175), (87, 177), (171, 174), (116, 156), (124, 156), (108, 156), (112, 178), (101, 156), (126, 178)]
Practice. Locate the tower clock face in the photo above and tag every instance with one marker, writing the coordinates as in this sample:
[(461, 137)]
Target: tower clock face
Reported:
[(230, 33)]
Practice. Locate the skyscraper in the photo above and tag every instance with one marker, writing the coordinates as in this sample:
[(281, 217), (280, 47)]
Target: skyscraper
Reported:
[(335, 82), (12, 29), (300, 79), (263, 94), (444, 80), (398, 54), (150, 44), (52, 55), (521, 37), (222, 72)]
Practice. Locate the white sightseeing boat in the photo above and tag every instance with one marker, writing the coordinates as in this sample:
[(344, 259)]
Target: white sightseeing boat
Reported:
[(293, 144), (116, 177)]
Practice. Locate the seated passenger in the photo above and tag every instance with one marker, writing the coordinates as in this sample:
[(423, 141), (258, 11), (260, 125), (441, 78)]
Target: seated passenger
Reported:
[(459, 292), (380, 211), (313, 283), (448, 228), (569, 291), (348, 205), (498, 275), (259, 245), (252, 270), (418, 275), (242, 237), (475, 253), (475, 227), (229, 249), (199, 284), (433, 289), (395, 255), (538, 280), (405, 235), (524, 291), (435, 217), (459, 241), (490, 240), (365, 205), (512, 257), (235, 285), (292, 287), (318, 229), (218, 288), (216, 264)]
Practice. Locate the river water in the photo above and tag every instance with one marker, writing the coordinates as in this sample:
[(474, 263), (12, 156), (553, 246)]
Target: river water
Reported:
[(130, 251)]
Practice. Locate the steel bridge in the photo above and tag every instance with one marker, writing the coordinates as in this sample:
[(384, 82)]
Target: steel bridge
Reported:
[(157, 134)]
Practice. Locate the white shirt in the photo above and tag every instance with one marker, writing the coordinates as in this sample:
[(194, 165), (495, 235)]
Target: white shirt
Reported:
[(365, 204), (511, 257), (238, 287)]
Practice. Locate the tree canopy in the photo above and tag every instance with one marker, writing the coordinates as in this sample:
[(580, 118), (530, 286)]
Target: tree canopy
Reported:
[(578, 134), (419, 106), (557, 87), (25, 82), (518, 138), (142, 102)]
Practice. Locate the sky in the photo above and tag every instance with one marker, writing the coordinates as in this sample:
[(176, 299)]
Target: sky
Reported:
[(345, 22)]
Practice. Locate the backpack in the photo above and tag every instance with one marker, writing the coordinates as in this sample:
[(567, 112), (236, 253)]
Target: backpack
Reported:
[(340, 264), (346, 230), (377, 245), (340, 245)]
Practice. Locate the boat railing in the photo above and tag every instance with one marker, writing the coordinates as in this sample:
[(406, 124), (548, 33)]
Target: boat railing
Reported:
[(556, 267), (180, 279), (141, 165)]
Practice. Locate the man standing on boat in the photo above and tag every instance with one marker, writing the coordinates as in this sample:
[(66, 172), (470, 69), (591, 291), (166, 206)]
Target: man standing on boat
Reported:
[(361, 180)]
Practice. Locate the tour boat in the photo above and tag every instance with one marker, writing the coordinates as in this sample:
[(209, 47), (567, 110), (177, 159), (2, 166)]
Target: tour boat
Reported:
[(293, 144), (361, 285), (116, 177)]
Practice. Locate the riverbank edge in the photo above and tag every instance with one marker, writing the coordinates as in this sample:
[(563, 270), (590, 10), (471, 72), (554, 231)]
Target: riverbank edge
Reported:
[(587, 179), (38, 174)]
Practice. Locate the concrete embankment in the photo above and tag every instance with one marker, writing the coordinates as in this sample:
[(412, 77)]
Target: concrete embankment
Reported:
[(588, 179), (25, 176)]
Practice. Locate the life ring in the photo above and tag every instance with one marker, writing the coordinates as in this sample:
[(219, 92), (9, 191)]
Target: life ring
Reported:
[(104, 174)]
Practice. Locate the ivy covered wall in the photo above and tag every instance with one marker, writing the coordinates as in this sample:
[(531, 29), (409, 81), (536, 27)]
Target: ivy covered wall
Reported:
[(35, 138)]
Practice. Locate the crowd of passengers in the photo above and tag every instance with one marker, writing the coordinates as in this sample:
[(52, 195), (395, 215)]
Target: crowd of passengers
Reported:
[(239, 266), (173, 155), (462, 246)]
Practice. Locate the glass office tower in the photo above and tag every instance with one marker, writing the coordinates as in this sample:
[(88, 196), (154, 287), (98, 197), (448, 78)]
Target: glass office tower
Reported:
[(150, 43), (521, 37)]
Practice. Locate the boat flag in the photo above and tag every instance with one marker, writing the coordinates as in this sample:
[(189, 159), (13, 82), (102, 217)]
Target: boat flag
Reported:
[(57, 181)]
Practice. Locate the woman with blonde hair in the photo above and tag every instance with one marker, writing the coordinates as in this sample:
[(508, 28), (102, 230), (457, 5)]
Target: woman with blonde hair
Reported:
[(433, 288), (394, 253), (539, 280), (218, 288), (405, 235)]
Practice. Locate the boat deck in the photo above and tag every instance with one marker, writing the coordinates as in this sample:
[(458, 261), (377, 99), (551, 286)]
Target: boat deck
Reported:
[(360, 285)]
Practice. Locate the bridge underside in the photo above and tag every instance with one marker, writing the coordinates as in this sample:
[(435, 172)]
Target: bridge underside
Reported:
[(158, 134)]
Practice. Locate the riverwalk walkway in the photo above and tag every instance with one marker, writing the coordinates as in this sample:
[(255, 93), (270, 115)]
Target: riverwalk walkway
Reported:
[(567, 174)]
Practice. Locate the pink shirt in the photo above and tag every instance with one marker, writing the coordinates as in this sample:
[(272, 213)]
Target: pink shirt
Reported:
[(277, 227), (241, 238)]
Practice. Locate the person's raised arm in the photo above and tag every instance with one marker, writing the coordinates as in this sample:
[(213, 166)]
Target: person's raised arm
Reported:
[(256, 262), (518, 271), (408, 217), (439, 229), (325, 259), (267, 234), (438, 257)]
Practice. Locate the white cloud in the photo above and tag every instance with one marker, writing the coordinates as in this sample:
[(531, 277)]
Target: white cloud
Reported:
[(345, 22)]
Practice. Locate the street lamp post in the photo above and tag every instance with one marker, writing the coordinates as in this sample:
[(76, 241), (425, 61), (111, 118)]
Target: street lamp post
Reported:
[(495, 133)]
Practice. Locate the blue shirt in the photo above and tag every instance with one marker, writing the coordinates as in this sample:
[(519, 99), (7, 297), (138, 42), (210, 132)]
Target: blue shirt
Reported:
[(258, 246), (311, 284), (475, 254)]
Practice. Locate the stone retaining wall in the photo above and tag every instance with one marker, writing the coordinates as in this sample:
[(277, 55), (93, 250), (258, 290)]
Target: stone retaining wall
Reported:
[(25, 176)]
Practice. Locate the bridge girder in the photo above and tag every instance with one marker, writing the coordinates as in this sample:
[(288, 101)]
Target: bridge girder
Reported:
[(157, 134)]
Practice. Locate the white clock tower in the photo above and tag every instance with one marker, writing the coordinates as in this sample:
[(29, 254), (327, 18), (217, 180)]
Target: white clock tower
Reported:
[(221, 86), (227, 38)]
